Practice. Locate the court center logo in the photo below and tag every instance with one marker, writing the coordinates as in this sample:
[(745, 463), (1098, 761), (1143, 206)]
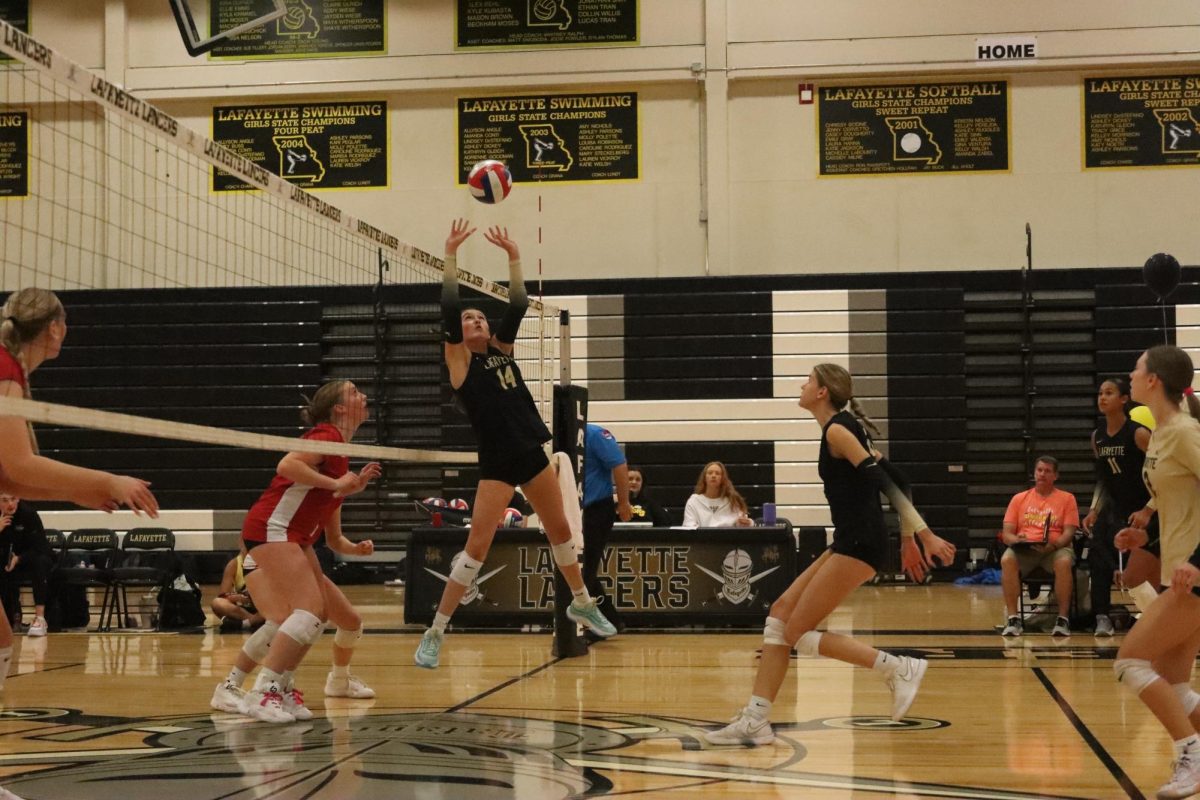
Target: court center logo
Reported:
[(460, 755)]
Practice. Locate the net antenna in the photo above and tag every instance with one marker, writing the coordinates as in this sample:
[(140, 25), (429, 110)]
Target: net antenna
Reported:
[(191, 35)]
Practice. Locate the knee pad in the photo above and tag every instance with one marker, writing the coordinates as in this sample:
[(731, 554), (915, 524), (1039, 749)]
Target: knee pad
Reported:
[(347, 639), (466, 570), (256, 646), (303, 626), (1135, 674), (1188, 698), (564, 553), (809, 644), (773, 633)]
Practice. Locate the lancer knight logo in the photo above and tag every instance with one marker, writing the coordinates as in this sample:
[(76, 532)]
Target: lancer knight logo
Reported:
[(735, 578)]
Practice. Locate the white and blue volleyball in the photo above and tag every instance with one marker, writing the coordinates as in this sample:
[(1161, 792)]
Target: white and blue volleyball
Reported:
[(489, 181)]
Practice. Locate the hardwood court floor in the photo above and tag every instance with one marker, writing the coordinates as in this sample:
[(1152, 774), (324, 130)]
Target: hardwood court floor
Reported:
[(125, 715)]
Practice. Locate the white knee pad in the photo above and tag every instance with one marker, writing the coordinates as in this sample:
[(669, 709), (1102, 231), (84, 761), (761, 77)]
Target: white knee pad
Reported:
[(347, 639), (1135, 674), (1188, 698), (303, 626), (809, 644), (773, 633), (256, 646), (466, 570), (564, 553)]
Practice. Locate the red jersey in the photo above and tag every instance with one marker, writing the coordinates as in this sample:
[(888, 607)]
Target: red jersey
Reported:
[(10, 368), (290, 512)]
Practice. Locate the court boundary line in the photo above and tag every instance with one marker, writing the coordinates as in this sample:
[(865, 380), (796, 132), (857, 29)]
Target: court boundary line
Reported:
[(503, 685), (1114, 769)]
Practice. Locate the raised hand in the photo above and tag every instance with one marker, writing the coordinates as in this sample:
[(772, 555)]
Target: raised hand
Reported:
[(499, 237), (460, 230)]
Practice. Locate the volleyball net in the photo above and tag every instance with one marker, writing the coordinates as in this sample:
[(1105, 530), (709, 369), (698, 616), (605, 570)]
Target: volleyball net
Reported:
[(101, 190)]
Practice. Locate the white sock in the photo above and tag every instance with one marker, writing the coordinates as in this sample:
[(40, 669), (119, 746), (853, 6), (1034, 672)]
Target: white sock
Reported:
[(236, 677), (440, 621), (886, 663), (287, 680), (581, 595), (5, 658), (340, 672), (267, 679), (759, 707), (1189, 745)]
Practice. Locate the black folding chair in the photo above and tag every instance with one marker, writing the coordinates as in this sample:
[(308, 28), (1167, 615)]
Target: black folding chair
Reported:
[(87, 561), (147, 561)]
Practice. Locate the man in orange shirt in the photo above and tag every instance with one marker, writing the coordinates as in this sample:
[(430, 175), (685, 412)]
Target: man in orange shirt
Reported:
[(1038, 529)]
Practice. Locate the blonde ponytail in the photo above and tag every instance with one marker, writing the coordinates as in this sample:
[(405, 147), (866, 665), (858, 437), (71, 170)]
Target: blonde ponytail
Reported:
[(26, 313)]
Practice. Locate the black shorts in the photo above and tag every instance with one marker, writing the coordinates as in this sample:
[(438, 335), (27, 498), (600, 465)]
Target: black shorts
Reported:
[(869, 547), (513, 469)]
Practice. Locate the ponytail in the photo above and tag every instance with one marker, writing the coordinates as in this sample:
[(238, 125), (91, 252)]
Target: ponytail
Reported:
[(320, 408), (837, 381), (1193, 403)]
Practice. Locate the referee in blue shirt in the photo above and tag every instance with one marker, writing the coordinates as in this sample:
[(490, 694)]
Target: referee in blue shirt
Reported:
[(603, 466)]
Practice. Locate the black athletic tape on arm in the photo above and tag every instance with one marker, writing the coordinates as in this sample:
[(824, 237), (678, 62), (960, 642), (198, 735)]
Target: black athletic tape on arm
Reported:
[(869, 471), (898, 477), (518, 304), (451, 306)]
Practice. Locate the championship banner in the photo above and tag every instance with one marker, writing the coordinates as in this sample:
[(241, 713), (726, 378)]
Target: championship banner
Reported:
[(15, 13), (310, 28), (314, 145), (14, 153), (655, 576), (553, 137), (913, 128), (502, 24), (1141, 122)]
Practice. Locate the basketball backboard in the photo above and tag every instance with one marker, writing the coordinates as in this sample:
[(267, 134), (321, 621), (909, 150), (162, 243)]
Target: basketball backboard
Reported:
[(196, 45)]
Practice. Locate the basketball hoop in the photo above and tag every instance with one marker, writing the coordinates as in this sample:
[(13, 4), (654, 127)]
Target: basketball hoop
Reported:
[(191, 36)]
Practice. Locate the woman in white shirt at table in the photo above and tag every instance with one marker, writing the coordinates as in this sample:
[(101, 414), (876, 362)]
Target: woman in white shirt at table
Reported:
[(715, 503)]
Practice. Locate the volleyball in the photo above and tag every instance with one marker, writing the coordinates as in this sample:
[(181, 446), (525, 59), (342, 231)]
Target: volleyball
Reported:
[(512, 518), (434, 502), (458, 504), (489, 181)]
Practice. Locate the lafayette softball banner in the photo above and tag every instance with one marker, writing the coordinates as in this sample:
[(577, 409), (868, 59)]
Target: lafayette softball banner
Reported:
[(314, 145), (308, 28), (502, 24), (1148, 121), (655, 576), (913, 128)]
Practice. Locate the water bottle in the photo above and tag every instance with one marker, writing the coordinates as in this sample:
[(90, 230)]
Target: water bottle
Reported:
[(768, 514), (436, 521)]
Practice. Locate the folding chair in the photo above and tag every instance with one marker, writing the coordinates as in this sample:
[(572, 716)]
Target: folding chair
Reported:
[(147, 561), (87, 561)]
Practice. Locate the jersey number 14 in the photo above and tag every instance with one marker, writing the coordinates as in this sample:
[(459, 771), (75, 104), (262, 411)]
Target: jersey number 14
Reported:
[(507, 379)]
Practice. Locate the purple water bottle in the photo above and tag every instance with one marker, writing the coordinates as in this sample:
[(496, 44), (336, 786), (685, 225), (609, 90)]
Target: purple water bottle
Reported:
[(768, 514)]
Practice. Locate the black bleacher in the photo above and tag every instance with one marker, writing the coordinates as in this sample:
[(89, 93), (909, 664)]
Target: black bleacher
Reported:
[(242, 357)]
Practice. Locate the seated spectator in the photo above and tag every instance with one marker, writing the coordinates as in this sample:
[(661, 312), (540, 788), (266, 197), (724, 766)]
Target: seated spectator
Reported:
[(26, 554), (233, 604), (645, 508), (715, 503), (1039, 528)]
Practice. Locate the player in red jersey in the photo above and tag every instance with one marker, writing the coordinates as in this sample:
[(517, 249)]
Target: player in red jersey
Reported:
[(304, 498)]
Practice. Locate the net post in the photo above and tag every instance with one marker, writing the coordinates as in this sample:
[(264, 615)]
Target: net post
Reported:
[(570, 420)]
